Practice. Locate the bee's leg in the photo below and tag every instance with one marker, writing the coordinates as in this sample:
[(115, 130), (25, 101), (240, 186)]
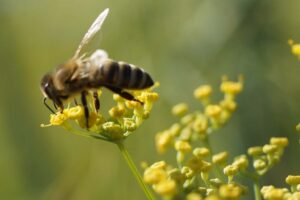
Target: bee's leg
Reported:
[(123, 94), (96, 101), (45, 103), (86, 109)]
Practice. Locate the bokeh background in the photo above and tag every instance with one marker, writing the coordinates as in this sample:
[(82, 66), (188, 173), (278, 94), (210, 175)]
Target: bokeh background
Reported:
[(182, 44)]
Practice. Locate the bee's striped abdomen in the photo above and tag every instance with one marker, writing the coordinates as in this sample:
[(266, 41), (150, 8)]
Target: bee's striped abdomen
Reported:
[(123, 75)]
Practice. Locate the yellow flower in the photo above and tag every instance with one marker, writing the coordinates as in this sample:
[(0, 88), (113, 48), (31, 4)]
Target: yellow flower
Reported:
[(188, 172), (159, 165), (259, 164), (113, 130), (230, 87), (201, 152), (295, 48), (271, 193), (58, 119), (255, 151), (279, 141), (220, 158), (154, 176), (292, 180), (200, 124), (231, 170), (163, 140), (116, 112), (193, 196), (213, 111), (74, 112), (269, 148), (230, 192), (203, 92), (183, 146), (242, 162), (228, 104), (180, 109), (166, 187), (129, 124)]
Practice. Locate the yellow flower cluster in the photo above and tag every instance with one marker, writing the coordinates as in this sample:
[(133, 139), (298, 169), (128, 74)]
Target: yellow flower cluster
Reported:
[(195, 125), (193, 179), (264, 157), (272, 193), (125, 117)]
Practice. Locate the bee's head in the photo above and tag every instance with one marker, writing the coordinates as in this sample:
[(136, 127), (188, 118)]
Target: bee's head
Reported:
[(47, 87), (49, 91)]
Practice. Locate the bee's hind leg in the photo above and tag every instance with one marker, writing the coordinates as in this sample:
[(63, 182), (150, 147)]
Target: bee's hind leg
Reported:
[(96, 101), (85, 106), (123, 94)]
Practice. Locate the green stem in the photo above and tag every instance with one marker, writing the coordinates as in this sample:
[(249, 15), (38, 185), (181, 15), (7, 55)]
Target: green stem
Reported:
[(134, 170), (256, 188)]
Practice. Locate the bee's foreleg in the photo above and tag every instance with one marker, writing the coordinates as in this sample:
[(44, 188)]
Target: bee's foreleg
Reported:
[(96, 101), (123, 94), (45, 103), (85, 106)]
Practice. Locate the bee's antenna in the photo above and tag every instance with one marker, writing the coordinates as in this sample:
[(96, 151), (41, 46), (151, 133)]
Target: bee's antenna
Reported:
[(45, 103)]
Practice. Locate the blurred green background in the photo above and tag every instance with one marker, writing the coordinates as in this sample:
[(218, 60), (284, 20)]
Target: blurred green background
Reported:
[(182, 44)]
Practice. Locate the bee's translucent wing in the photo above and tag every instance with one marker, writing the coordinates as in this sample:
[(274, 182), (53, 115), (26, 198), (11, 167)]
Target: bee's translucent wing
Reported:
[(94, 28)]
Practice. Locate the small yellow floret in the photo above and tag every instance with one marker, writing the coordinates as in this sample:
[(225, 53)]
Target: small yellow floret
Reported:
[(203, 92), (292, 180), (163, 140), (231, 170), (154, 176), (113, 130), (201, 152), (166, 188), (188, 172), (129, 124), (220, 158), (295, 49), (159, 165), (259, 164), (272, 193), (269, 148), (183, 146), (213, 111), (74, 112), (180, 109), (230, 87), (193, 196), (58, 119), (255, 151), (116, 112), (279, 141), (230, 191), (241, 161)]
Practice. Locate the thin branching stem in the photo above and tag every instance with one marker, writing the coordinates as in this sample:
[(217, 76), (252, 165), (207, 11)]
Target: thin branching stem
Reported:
[(134, 170)]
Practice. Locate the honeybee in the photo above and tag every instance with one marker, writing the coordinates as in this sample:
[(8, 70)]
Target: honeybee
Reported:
[(81, 75)]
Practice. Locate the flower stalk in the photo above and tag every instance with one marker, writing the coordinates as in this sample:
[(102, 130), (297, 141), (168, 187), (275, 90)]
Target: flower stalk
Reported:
[(134, 169)]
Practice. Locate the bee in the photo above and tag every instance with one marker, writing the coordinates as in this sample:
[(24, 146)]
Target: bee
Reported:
[(82, 75)]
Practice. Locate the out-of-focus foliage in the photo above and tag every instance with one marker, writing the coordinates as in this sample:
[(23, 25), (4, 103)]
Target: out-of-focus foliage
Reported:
[(182, 44)]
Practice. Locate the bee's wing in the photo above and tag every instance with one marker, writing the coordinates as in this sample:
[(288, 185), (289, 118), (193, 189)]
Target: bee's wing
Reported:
[(94, 28)]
